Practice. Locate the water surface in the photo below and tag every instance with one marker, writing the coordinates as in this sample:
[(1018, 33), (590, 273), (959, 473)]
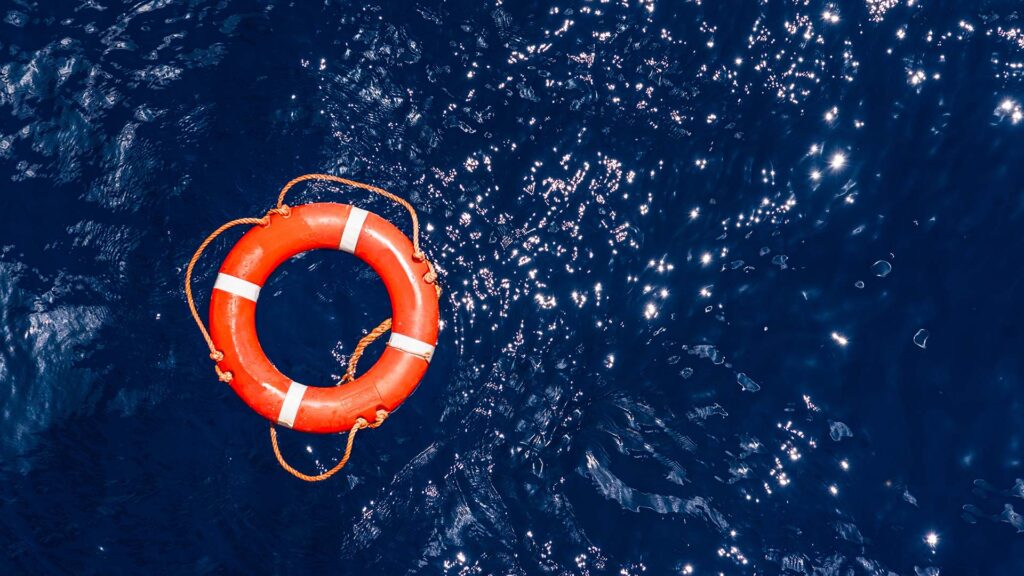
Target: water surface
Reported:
[(729, 288)]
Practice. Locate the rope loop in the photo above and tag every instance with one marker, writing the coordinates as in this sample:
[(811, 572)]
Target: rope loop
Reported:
[(417, 253), (215, 355), (360, 424)]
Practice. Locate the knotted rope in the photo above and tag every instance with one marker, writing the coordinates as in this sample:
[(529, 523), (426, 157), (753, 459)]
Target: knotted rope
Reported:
[(284, 211)]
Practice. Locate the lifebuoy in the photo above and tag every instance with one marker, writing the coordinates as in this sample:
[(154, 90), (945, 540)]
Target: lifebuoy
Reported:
[(414, 305)]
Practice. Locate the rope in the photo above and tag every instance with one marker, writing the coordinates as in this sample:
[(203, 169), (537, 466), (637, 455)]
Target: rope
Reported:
[(359, 425), (284, 210), (417, 254), (365, 341), (217, 355)]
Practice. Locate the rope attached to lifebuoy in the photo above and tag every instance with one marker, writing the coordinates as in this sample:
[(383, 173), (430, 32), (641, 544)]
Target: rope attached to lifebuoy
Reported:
[(217, 355), (359, 425), (284, 211)]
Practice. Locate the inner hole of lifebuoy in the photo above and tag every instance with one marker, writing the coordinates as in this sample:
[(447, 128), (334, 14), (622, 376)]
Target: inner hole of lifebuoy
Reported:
[(314, 309)]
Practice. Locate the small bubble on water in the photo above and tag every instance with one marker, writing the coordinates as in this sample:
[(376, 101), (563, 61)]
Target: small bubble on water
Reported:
[(921, 338), (859, 284), (747, 384), (839, 430), (17, 19), (881, 268), (909, 498), (1012, 517)]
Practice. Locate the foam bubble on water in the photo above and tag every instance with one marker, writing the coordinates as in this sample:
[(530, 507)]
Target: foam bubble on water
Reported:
[(16, 19), (909, 498), (839, 430), (746, 382), (921, 338), (1012, 517), (881, 268)]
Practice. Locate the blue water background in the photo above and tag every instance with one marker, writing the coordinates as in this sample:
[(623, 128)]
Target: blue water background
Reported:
[(729, 287)]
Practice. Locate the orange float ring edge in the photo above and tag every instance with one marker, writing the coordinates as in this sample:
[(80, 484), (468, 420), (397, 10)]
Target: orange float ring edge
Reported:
[(414, 304)]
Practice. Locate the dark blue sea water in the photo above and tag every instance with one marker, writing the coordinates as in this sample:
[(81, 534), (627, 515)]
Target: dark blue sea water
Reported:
[(729, 287)]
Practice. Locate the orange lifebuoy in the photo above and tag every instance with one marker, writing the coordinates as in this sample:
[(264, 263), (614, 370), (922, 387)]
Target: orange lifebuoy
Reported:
[(414, 304)]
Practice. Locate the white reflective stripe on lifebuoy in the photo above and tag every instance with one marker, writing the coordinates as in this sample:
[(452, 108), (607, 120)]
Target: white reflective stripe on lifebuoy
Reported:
[(411, 346), (290, 407), (353, 227), (237, 286)]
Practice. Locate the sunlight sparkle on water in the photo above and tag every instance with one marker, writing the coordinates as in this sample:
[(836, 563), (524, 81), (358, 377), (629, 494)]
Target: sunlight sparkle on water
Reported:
[(932, 539), (1010, 108), (838, 161), (840, 339)]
